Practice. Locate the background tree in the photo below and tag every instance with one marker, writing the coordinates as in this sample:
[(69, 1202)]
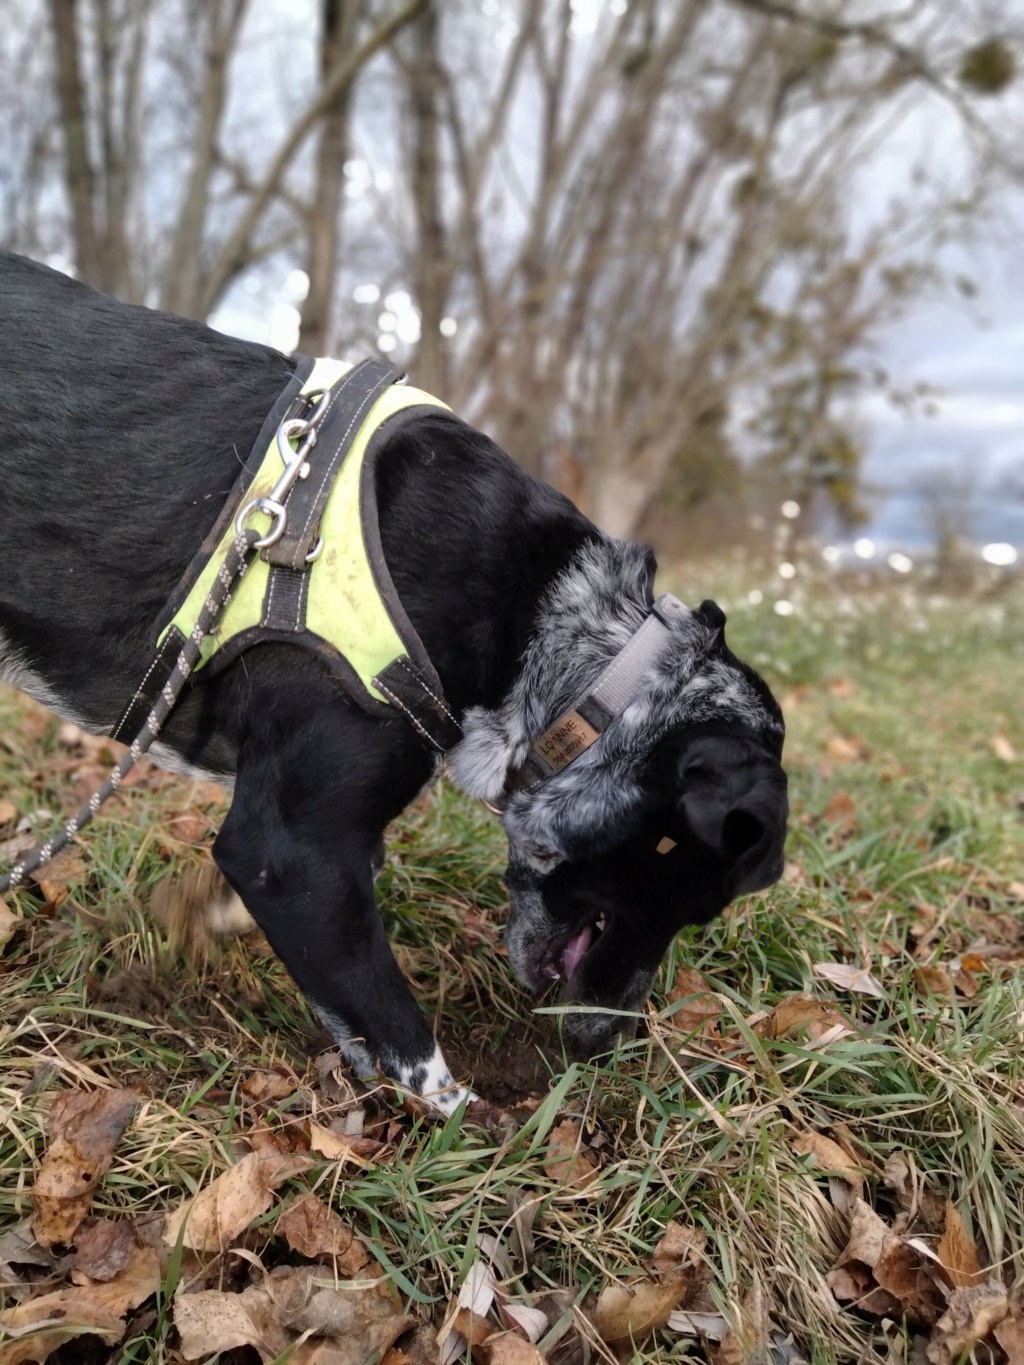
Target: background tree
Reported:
[(649, 244)]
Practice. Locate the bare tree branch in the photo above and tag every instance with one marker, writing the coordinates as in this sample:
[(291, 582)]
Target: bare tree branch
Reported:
[(234, 251), (183, 285)]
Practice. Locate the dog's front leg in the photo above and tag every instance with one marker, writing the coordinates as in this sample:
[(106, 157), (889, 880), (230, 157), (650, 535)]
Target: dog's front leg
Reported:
[(299, 847)]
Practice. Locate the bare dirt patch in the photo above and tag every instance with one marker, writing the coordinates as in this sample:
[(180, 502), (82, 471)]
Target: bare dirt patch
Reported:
[(507, 1072)]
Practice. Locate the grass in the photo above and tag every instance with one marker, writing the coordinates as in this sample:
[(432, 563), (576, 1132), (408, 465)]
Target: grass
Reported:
[(906, 851)]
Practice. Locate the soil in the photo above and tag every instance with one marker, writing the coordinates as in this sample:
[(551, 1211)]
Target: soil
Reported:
[(505, 1072)]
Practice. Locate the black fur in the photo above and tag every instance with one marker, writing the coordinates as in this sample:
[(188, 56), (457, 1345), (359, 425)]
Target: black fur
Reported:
[(121, 434)]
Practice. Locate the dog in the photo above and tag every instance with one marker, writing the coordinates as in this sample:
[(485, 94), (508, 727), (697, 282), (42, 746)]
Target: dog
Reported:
[(122, 431)]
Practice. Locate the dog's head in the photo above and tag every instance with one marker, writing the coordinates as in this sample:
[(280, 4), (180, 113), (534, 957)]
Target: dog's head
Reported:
[(678, 808)]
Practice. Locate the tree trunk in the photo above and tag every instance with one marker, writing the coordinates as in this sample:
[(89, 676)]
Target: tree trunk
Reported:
[(79, 177), (183, 278), (431, 271), (620, 500), (339, 22)]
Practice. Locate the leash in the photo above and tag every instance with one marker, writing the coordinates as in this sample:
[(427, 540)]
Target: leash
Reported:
[(243, 549)]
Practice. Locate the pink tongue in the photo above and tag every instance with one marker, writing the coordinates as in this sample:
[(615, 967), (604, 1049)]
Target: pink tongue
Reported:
[(574, 950)]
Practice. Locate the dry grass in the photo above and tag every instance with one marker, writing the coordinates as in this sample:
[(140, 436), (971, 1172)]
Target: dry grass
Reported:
[(906, 852)]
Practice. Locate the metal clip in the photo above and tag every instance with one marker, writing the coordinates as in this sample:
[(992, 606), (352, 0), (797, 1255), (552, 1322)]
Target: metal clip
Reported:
[(296, 466)]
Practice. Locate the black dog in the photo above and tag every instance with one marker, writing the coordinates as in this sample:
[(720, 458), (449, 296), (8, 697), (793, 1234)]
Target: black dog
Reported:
[(121, 434)]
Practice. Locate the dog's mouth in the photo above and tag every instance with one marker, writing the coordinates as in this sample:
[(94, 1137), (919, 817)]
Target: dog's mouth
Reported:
[(559, 957)]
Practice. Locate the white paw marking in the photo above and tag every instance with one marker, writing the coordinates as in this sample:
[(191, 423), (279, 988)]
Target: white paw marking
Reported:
[(432, 1081)]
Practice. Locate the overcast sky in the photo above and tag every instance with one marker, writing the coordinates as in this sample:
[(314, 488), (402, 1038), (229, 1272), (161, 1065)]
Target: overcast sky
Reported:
[(971, 352)]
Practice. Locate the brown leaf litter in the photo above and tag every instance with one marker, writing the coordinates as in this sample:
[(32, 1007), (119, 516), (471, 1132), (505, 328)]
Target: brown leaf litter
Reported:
[(849, 978), (697, 1009), (942, 1288), (312, 1229), (566, 1163), (796, 1015), (626, 1312), (882, 1274), (345, 1324), (34, 1329), (222, 1210), (84, 1128), (10, 923)]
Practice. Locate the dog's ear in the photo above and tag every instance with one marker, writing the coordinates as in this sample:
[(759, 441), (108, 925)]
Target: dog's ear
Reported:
[(712, 615), (739, 810), (755, 836)]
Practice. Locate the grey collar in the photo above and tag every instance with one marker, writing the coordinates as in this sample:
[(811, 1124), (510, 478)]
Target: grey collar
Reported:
[(616, 686)]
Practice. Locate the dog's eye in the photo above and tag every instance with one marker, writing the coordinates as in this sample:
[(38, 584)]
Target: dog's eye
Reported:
[(542, 854)]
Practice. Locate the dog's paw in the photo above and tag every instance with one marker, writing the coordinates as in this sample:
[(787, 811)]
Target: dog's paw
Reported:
[(227, 915), (196, 907)]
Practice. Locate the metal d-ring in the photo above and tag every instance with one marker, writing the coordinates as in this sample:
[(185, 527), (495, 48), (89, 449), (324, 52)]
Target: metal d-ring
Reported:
[(315, 552), (270, 508)]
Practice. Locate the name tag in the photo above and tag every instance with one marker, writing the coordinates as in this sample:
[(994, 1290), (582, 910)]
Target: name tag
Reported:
[(566, 740)]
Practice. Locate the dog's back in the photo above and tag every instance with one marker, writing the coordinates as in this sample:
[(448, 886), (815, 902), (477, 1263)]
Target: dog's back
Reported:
[(121, 433)]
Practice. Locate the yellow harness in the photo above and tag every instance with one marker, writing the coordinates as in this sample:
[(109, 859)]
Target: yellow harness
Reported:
[(341, 603)]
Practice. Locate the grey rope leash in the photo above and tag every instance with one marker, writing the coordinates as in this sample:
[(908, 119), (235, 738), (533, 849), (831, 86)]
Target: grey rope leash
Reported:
[(236, 561)]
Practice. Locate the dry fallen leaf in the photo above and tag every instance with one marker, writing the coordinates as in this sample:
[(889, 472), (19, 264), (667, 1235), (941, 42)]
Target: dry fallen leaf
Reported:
[(1010, 1335), (347, 1324), (33, 1330), (840, 687), (528, 1319), (849, 978), (710, 1325), (474, 1300), (509, 1348), (10, 923), (312, 1229), (416, 1347), (103, 1247), (957, 1251), (55, 876), (841, 813), (911, 1194), (931, 980), (339, 1147), (8, 810), (746, 1342), (895, 1268), (565, 1164), (627, 1312), (84, 1128), (190, 826), (18, 1246), (798, 1012), (226, 1207), (472, 1329), (679, 1251), (265, 1086), (210, 1321), (844, 750), (970, 1316), (829, 1156), (699, 1013), (282, 1166)]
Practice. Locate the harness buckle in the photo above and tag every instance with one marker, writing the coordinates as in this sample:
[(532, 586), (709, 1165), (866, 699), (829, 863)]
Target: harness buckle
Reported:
[(296, 466)]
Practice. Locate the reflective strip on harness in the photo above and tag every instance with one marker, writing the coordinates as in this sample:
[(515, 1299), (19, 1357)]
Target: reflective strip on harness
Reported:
[(344, 607)]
